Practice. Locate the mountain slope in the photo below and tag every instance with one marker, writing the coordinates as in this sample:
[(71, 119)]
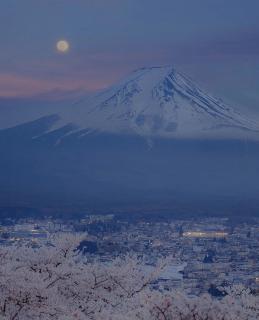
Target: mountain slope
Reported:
[(159, 101)]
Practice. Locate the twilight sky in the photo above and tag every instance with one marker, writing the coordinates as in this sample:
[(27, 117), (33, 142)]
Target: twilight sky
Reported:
[(215, 42)]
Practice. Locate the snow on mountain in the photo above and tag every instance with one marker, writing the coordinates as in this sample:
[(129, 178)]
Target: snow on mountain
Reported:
[(162, 102)]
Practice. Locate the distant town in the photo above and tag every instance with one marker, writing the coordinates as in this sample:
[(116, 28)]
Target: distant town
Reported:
[(204, 255)]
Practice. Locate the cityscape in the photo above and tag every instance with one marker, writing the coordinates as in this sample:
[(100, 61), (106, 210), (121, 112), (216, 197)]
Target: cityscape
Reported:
[(205, 255)]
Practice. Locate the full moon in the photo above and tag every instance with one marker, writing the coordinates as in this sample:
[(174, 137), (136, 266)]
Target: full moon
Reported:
[(62, 46)]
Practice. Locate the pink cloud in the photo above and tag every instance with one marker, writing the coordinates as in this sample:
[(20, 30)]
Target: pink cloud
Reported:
[(14, 85)]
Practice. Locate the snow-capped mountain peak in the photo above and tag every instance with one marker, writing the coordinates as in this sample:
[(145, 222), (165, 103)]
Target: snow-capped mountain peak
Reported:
[(160, 101), (156, 101)]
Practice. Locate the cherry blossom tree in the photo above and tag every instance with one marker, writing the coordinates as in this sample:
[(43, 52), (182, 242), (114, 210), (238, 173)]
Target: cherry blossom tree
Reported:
[(54, 281)]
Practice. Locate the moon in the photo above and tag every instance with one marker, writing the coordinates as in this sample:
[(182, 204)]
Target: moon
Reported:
[(62, 46)]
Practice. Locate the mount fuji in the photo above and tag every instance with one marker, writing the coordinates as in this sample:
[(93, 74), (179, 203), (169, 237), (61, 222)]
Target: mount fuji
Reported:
[(153, 138), (159, 101)]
